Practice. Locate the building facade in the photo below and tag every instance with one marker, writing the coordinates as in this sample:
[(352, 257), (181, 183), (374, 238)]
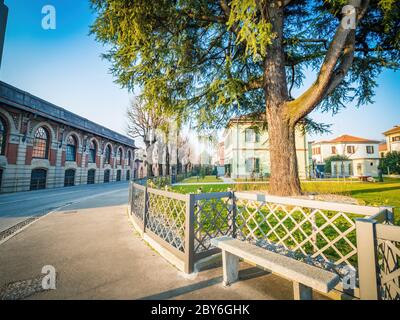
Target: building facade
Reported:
[(383, 149), (140, 171), (362, 155), (45, 146), (246, 150), (393, 139)]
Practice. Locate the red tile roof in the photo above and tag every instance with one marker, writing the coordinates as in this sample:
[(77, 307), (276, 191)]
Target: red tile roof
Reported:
[(383, 147), (348, 138)]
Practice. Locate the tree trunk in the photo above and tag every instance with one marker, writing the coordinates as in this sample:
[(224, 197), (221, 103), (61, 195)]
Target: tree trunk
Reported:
[(284, 174), (284, 169), (167, 168), (149, 165)]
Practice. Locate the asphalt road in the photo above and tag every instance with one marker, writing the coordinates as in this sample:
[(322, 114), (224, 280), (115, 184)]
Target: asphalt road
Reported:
[(17, 207)]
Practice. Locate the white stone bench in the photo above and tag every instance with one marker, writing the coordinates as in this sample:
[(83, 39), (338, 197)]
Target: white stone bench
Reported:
[(305, 277)]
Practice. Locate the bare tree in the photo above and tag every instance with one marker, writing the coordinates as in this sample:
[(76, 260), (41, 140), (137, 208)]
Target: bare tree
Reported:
[(143, 123)]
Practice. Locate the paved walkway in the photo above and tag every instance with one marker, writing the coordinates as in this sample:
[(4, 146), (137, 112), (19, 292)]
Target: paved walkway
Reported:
[(18, 207), (227, 180), (97, 255)]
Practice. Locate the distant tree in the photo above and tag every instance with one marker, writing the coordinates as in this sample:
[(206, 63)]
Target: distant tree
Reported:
[(143, 123), (328, 162), (212, 59), (391, 162)]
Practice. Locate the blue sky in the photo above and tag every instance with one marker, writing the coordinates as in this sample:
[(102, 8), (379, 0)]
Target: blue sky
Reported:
[(64, 67)]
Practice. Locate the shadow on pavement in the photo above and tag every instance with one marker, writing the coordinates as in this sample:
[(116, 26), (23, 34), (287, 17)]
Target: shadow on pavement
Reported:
[(246, 274)]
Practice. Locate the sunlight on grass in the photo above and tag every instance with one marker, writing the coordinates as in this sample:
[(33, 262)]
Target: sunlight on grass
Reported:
[(371, 194), (206, 179)]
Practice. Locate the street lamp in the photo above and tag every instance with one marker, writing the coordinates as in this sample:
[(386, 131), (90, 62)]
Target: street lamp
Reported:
[(3, 24)]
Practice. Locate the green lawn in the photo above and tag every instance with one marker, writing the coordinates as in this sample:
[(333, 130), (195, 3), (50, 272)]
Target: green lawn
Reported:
[(371, 194), (206, 179), (205, 188)]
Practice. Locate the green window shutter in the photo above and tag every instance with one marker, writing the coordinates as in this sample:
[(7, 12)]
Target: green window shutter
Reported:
[(257, 165)]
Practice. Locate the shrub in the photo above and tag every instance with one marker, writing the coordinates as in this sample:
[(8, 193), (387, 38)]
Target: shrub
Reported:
[(328, 162), (391, 162)]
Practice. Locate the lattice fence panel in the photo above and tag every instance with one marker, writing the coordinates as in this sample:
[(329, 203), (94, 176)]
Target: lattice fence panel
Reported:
[(137, 202), (320, 235), (166, 218), (389, 269), (213, 218)]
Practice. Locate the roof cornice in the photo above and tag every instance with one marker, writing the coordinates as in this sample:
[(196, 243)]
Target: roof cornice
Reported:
[(22, 100)]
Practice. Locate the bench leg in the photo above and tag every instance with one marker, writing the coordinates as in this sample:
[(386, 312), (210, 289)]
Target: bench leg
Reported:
[(230, 264), (302, 292)]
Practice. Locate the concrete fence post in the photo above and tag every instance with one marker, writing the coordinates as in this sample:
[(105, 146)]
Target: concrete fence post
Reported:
[(367, 259), (189, 233), (390, 215)]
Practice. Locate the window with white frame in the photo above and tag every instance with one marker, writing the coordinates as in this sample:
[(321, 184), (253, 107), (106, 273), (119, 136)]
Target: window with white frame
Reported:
[(252, 136), (370, 149), (253, 165), (351, 149)]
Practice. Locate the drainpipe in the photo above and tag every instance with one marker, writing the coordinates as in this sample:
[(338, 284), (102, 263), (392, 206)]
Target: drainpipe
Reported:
[(3, 24)]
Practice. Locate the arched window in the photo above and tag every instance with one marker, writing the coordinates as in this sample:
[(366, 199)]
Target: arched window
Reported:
[(107, 157), (91, 179), (71, 148), (3, 136), (107, 176), (41, 144), (38, 179), (92, 152), (129, 158), (119, 157), (69, 180)]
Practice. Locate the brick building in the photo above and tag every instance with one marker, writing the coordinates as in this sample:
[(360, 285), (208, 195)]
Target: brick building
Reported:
[(45, 146)]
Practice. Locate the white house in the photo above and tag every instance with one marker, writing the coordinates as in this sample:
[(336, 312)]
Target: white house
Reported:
[(246, 149), (393, 139), (362, 155)]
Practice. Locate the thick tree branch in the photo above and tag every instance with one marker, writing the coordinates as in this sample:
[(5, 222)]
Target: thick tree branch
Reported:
[(344, 66), (328, 77)]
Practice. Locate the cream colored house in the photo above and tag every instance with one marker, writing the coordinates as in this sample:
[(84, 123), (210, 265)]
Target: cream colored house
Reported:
[(393, 139), (246, 150)]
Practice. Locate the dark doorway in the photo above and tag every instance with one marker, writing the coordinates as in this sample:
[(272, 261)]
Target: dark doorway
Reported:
[(91, 176), (128, 175), (107, 176), (119, 175), (38, 179), (69, 180)]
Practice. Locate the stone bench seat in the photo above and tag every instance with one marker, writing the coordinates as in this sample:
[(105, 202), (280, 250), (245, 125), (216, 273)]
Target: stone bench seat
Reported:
[(305, 277)]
